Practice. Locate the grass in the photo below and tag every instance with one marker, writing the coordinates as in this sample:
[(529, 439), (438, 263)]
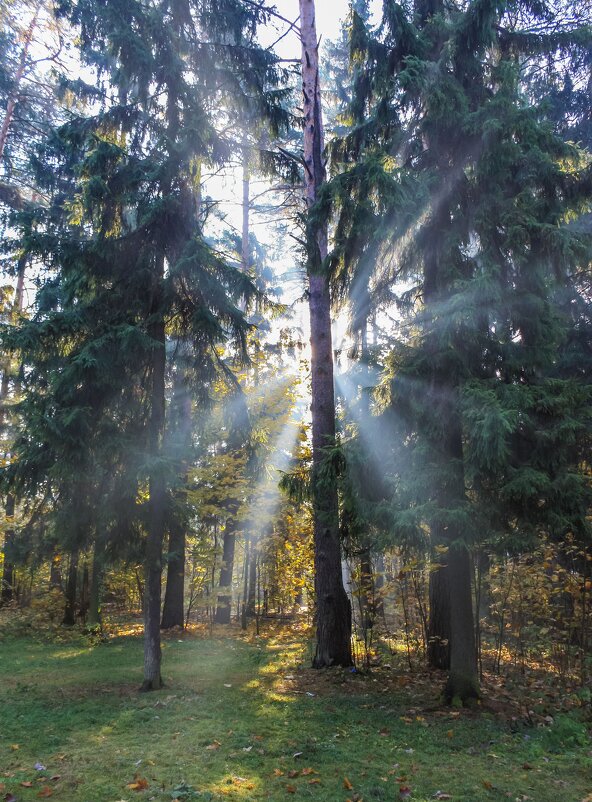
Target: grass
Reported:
[(243, 719)]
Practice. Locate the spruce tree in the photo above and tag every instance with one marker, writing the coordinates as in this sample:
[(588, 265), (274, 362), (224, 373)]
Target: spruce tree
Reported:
[(128, 263), (457, 194)]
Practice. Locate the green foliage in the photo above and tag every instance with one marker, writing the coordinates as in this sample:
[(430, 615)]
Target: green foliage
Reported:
[(454, 194), (123, 261)]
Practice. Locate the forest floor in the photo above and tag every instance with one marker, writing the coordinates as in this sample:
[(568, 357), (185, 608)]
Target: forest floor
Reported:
[(244, 718)]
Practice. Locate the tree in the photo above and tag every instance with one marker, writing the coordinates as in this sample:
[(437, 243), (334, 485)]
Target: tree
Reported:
[(333, 611), (128, 263), (459, 191)]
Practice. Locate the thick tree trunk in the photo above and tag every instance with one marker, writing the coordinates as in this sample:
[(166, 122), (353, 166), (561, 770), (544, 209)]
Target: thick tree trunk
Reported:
[(463, 679), (224, 602), (71, 587), (456, 618), (333, 610), (179, 445), (156, 524), (174, 597), (439, 616)]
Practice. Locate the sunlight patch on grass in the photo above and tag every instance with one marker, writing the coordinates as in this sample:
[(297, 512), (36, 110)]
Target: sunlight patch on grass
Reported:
[(242, 718)]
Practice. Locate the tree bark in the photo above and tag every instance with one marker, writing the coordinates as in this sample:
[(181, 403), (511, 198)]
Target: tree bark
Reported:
[(94, 620), (157, 503), (463, 679), (55, 572), (180, 443), (71, 586), (252, 595), (224, 602), (439, 617), (333, 610), (7, 592), (245, 611), (174, 597)]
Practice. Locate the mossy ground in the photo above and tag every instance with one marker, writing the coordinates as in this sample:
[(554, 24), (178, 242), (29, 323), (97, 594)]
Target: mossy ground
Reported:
[(245, 719)]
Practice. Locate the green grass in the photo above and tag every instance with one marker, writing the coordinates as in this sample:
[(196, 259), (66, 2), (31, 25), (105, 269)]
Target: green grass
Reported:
[(76, 710)]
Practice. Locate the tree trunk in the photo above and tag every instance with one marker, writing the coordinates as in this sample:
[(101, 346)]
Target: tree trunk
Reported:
[(439, 617), (84, 593), (174, 597), (94, 620), (55, 572), (157, 483), (463, 680), (333, 610), (224, 603), (71, 586), (7, 593), (14, 95), (443, 398), (245, 611), (252, 597)]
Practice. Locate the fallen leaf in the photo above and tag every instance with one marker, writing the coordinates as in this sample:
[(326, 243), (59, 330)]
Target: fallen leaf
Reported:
[(214, 745), (45, 792), (27, 784), (487, 785), (56, 777), (14, 747), (291, 789), (347, 784), (278, 773), (450, 734), (139, 784), (306, 772), (293, 773), (404, 792), (314, 781)]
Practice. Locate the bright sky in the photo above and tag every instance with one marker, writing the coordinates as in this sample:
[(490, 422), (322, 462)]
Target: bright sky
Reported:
[(329, 15)]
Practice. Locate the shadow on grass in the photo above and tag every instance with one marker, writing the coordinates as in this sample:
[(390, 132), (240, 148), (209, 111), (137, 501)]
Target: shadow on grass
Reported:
[(248, 721)]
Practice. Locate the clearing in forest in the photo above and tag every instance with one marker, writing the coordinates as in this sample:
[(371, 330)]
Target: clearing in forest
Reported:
[(246, 719)]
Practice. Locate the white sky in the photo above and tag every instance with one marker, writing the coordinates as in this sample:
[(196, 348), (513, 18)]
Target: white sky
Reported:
[(329, 15)]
